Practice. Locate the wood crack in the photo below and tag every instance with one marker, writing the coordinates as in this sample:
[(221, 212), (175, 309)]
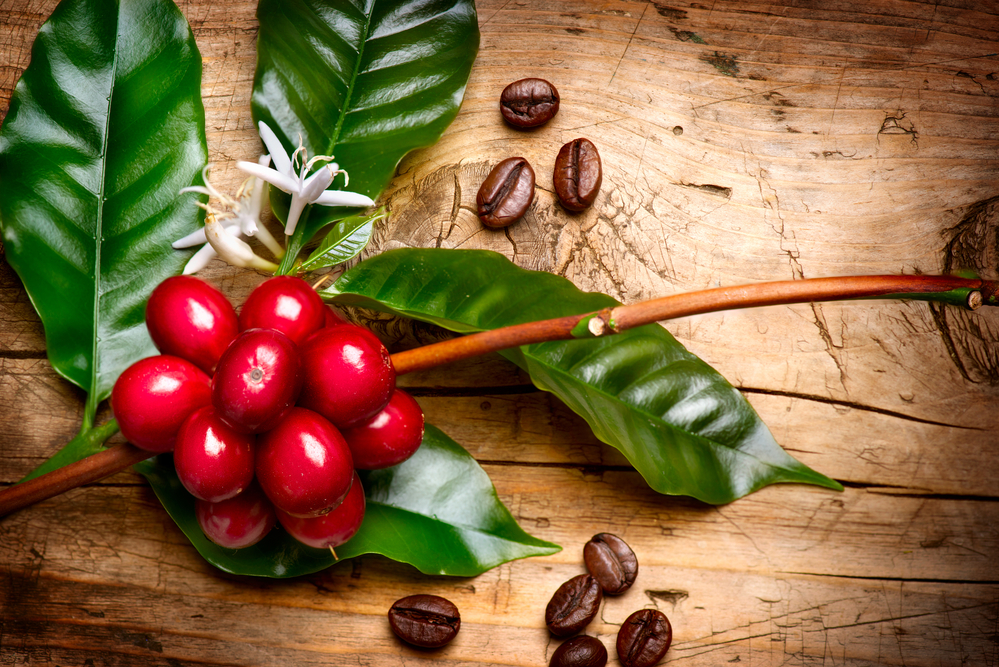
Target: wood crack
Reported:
[(907, 492), (914, 580), (854, 405), (23, 354)]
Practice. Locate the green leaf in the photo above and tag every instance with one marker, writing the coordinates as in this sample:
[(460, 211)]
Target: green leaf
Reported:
[(437, 511), (344, 241), (105, 126), (677, 420), (366, 82)]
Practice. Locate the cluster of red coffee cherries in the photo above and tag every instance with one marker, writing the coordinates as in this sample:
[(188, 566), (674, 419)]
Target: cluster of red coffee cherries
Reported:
[(268, 413)]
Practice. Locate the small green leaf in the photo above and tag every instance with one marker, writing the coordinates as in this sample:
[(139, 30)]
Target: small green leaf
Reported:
[(366, 82), (677, 420), (345, 240), (105, 126), (437, 511)]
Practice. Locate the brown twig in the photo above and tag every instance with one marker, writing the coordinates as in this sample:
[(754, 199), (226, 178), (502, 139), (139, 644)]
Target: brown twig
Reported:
[(622, 318), (607, 321), (91, 469), (785, 292), (473, 345)]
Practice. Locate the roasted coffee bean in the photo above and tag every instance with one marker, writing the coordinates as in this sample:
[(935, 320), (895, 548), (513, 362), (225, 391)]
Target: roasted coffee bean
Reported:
[(428, 621), (644, 638), (581, 651), (611, 562), (573, 605), (577, 174), (507, 193), (529, 103)]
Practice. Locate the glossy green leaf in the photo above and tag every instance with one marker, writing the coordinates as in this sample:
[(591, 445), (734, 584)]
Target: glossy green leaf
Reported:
[(437, 511), (345, 240), (364, 81), (677, 420), (105, 126)]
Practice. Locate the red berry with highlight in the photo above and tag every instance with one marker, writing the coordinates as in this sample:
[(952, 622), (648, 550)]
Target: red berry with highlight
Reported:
[(334, 319), (284, 303), (388, 438), (239, 522), (189, 318), (213, 461), (304, 464), (347, 374), (153, 397), (257, 380), (331, 529)]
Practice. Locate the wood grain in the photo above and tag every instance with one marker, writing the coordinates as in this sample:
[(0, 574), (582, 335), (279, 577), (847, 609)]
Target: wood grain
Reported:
[(741, 142)]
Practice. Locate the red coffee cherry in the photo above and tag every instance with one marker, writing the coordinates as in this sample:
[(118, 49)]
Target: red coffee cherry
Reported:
[(304, 465), (347, 374), (388, 438), (189, 318), (334, 319), (153, 397), (257, 380), (284, 303), (240, 521), (213, 461), (333, 528)]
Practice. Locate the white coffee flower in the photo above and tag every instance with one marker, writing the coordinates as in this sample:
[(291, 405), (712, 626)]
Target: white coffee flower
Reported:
[(233, 249), (303, 188), (242, 217)]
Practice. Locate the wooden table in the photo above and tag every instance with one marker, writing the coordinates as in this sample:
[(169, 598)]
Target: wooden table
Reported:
[(742, 142)]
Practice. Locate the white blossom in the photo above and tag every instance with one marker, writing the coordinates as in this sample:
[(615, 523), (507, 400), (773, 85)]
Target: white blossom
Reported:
[(241, 218), (291, 174), (233, 249)]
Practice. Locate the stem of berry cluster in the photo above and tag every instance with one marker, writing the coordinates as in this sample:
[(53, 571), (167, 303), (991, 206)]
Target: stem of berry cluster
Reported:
[(968, 292)]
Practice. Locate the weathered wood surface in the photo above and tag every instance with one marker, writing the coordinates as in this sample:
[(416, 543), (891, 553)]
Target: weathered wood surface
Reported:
[(742, 141)]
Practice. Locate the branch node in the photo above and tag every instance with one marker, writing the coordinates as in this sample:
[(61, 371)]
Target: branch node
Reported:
[(975, 300), (597, 326)]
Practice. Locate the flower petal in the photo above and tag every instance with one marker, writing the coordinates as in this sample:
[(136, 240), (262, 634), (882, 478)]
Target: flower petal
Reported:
[(276, 179), (294, 213), (257, 192), (229, 247), (199, 260), (192, 239), (201, 190), (274, 146), (247, 224), (232, 249), (315, 185), (343, 198)]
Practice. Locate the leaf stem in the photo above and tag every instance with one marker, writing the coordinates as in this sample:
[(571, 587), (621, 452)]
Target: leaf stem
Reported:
[(89, 413), (971, 292)]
